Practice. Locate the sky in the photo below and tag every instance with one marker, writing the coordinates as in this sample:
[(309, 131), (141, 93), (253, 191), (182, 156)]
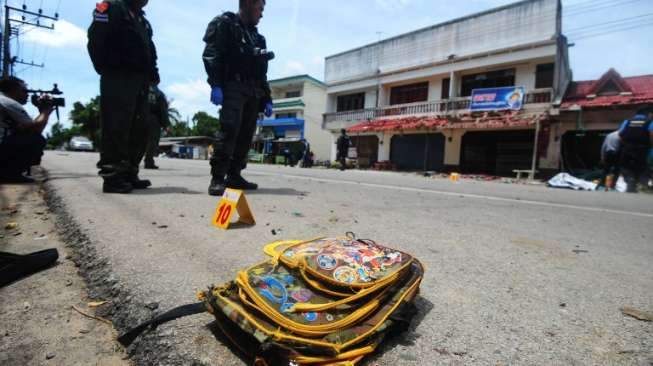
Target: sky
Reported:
[(301, 33)]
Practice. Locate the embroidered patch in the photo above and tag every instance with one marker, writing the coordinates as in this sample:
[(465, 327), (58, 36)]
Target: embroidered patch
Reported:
[(326, 262), (311, 317), (344, 274), (102, 18), (302, 295), (102, 7), (329, 317)]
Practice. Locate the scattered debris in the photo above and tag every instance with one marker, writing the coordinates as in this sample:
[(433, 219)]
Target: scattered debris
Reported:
[(44, 237), (297, 214), (637, 314), (153, 222), (69, 283), (152, 306), (95, 304), (39, 213), (11, 226), (333, 219), (563, 305), (579, 251), (26, 306), (18, 233), (84, 331), (162, 226), (182, 215), (459, 353), (50, 355), (91, 316), (442, 351)]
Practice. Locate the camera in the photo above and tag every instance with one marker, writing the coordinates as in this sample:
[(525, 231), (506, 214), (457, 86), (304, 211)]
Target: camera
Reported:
[(54, 102)]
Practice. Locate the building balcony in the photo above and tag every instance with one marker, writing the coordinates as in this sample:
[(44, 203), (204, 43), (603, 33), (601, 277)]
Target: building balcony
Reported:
[(430, 108)]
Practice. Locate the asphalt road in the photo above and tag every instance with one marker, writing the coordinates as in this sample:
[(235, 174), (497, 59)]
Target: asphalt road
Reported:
[(516, 274)]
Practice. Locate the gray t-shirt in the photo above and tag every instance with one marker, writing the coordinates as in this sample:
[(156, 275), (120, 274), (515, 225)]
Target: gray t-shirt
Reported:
[(611, 144), (12, 114)]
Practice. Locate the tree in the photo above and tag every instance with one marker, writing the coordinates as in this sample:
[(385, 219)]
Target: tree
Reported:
[(173, 114), (59, 135), (205, 124), (87, 117), (179, 129)]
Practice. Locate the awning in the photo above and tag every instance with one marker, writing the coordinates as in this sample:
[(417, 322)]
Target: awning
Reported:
[(281, 122), (486, 120)]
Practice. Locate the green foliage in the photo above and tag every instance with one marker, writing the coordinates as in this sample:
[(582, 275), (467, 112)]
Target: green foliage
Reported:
[(178, 129), (59, 135), (204, 124), (87, 117)]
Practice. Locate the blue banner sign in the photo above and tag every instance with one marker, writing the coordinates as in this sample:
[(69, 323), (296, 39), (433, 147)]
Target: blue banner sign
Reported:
[(494, 99)]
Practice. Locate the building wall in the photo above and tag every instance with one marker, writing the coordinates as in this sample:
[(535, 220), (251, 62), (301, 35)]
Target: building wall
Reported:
[(528, 22), (320, 140)]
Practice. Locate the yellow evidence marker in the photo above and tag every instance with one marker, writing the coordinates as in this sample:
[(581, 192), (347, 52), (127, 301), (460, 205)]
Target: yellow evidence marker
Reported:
[(232, 200)]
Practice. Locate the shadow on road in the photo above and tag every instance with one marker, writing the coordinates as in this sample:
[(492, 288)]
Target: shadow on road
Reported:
[(164, 190), (278, 191), (406, 338)]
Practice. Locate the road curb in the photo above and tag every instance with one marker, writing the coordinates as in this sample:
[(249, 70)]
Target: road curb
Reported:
[(124, 309)]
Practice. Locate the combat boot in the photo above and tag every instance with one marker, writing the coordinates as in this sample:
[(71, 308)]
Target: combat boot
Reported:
[(217, 186), (116, 186), (140, 183), (236, 181)]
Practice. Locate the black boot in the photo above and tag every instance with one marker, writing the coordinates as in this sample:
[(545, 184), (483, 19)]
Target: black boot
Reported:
[(236, 181), (217, 186), (116, 186), (151, 165), (140, 183)]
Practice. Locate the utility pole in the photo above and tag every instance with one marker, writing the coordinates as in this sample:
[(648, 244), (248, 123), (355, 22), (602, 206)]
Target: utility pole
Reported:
[(7, 60)]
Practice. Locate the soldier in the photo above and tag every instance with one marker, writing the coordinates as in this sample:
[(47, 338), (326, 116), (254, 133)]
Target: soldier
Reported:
[(342, 147), (236, 61), (637, 138), (121, 49), (157, 120)]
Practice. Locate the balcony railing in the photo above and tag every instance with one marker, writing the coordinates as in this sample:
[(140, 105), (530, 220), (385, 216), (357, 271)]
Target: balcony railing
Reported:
[(436, 107)]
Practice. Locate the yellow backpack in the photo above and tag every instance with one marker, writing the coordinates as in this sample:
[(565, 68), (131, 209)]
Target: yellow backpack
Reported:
[(320, 301)]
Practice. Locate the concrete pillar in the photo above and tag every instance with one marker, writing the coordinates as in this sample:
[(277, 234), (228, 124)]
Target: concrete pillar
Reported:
[(453, 85), (334, 147), (384, 146)]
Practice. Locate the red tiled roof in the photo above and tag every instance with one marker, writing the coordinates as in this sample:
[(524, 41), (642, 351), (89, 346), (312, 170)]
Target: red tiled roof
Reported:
[(469, 121), (641, 88)]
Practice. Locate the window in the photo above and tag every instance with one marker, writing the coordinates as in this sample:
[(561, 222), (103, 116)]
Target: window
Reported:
[(293, 94), (491, 79), (351, 102), (409, 93), (609, 88), (286, 115), (446, 85), (544, 76)]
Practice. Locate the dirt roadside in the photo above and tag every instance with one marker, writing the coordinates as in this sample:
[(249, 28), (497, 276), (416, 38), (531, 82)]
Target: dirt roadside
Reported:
[(38, 325)]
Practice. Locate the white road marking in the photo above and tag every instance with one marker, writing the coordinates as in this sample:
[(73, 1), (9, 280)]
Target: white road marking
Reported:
[(455, 194)]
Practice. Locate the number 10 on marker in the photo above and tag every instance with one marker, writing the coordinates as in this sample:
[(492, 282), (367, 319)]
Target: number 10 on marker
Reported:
[(232, 200)]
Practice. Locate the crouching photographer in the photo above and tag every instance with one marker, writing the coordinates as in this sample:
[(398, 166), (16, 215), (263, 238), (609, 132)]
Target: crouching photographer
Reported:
[(21, 142)]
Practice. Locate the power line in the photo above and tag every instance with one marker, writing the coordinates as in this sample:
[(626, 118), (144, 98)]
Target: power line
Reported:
[(12, 26)]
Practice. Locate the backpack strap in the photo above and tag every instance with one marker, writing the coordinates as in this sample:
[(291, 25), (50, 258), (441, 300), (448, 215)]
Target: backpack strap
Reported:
[(179, 312)]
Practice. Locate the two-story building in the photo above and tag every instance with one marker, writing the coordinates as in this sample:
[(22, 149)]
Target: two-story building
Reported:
[(406, 99), (299, 102)]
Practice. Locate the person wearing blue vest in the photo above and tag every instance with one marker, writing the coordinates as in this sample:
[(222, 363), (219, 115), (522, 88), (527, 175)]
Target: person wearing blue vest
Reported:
[(637, 139)]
